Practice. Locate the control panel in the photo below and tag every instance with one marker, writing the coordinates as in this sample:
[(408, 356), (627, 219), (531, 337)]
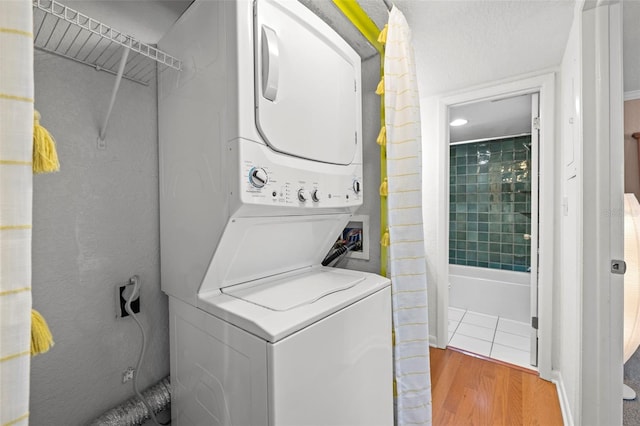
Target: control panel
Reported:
[(270, 178)]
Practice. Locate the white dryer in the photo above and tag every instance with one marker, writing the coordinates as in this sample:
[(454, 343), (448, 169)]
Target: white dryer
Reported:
[(260, 169)]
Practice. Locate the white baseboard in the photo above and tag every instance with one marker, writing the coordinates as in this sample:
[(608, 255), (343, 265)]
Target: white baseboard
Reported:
[(433, 341), (562, 397), (631, 95)]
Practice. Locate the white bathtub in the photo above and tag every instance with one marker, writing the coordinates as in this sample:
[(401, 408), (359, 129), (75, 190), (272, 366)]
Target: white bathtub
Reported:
[(491, 291)]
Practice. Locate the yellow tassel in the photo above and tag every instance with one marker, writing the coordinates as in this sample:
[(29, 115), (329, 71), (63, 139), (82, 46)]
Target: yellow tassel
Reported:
[(380, 88), (384, 188), (382, 37), (45, 158), (382, 137), (41, 339), (385, 241)]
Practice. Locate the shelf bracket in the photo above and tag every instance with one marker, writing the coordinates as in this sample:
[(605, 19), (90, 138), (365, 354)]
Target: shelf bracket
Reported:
[(103, 129)]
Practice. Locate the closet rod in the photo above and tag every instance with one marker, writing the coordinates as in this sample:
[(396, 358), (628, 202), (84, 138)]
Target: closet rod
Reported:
[(68, 33), (103, 129)]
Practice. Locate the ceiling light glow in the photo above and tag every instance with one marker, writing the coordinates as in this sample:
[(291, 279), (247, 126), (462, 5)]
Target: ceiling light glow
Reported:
[(458, 122)]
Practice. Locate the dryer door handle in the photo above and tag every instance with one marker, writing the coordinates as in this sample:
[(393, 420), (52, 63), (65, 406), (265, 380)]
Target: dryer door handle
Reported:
[(270, 63)]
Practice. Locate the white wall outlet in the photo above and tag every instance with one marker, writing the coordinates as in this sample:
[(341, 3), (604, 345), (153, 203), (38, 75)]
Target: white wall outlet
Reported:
[(123, 292)]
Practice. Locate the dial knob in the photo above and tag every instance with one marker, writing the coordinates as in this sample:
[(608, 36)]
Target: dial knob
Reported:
[(258, 177), (301, 195), (357, 186), (315, 195)]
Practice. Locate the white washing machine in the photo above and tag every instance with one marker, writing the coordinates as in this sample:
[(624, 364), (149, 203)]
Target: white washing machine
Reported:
[(308, 348), (260, 170)]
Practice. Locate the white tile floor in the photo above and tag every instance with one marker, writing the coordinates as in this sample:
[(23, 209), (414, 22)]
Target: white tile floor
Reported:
[(490, 336)]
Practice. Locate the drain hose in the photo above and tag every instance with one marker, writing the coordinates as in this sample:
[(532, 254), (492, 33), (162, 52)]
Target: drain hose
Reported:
[(133, 411)]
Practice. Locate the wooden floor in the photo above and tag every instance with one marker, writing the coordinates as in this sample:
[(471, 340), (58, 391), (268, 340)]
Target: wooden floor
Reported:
[(468, 390)]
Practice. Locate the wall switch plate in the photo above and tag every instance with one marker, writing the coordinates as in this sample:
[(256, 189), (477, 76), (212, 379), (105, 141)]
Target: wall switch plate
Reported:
[(122, 293)]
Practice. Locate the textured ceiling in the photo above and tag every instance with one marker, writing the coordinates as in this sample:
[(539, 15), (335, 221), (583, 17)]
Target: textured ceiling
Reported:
[(464, 43), (457, 43)]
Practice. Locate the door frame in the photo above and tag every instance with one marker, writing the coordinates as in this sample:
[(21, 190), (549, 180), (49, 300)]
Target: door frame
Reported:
[(535, 206), (603, 213), (545, 85)]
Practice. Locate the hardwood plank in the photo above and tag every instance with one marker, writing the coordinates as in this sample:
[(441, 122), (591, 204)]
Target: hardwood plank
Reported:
[(471, 390), (459, 399), (500, 397), (540, 401), (444, 372), (514, 401)]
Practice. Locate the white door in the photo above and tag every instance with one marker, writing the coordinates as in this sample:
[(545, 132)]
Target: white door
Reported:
[(308, 101), (535, 195)]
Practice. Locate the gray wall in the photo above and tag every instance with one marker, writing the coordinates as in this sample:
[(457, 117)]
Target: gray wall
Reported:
[(95, 224), (371, 167)]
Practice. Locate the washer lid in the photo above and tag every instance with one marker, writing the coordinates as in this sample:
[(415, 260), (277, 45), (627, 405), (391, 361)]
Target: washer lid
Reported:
[(305, 292), (287, 293)]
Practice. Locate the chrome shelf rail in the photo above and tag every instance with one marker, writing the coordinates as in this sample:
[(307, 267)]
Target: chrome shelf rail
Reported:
[(66, 32)]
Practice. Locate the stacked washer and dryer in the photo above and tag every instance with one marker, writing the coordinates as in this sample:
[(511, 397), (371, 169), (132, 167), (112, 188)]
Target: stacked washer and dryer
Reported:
[(260, 170)]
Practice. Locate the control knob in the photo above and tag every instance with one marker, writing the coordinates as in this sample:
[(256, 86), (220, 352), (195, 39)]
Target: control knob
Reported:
[(301, 196), (258, 177), (315, 195)]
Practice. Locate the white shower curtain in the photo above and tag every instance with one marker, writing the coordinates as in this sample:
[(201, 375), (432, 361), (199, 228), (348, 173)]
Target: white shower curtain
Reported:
[(407, 263), (16, 139)]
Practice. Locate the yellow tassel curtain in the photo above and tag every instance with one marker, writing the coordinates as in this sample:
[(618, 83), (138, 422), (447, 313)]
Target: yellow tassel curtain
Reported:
[(45, 160), (382, 37), (16, 188), (41, 338), (380, 88), (402, 241), (45, 157), (384, 188), (405, 235), (382, 137)]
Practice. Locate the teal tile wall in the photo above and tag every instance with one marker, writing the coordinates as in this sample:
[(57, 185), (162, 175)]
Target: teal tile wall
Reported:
[(490, 204)]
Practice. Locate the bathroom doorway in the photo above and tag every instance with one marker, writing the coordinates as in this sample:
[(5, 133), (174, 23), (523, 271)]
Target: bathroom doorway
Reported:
[(493, 216), (541, 159)]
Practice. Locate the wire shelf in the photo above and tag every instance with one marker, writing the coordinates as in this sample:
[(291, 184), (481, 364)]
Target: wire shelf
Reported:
[(65, 32)]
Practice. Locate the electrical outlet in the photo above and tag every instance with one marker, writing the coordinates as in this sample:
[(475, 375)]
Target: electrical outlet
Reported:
[(128, 374), (122, 294)]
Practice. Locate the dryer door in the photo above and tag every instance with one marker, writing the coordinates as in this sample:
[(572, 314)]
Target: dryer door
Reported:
[(308, 101)]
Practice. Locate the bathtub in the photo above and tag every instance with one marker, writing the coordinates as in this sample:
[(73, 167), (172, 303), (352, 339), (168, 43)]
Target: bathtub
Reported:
[(491, 291)]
